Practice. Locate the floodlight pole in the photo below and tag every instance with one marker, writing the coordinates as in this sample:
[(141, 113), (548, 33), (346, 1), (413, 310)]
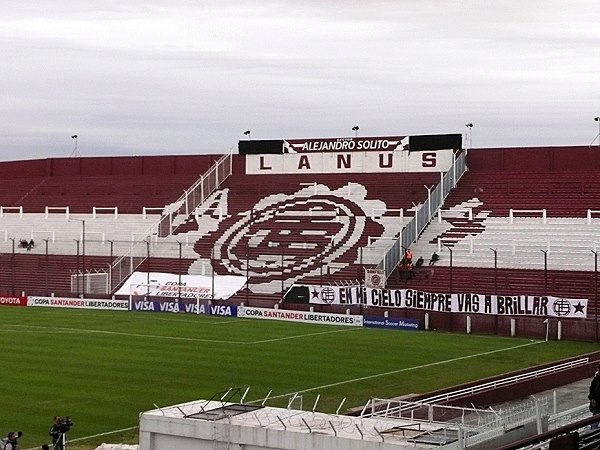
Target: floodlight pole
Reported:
[(469, 137), (597, 119)]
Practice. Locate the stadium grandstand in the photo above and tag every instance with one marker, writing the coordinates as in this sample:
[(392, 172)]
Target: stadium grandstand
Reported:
[(518, 224), (320, 226)]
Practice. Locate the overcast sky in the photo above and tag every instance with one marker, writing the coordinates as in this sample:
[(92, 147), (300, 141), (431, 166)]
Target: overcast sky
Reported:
[(157, 77)]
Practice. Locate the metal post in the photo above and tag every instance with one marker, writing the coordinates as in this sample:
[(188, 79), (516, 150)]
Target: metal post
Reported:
[(147, 267), (361, 278), (282, 271), (545, 271), (450, 281), (46, 241), (321, 267), (596, 291), (77, 262), (83, 255), (179, 270), (110, 267), (428, 201), (495, 270), (495, 285), (450, 248), (212, 266), (247, 270), (13, 265)]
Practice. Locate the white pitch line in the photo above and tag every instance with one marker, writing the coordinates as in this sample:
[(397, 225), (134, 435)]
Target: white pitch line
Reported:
[(120, 333), (176, 338), (95, 435), (406, 369), (264, 341)]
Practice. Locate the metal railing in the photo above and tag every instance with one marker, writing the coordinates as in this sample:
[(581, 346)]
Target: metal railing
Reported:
[(196, 194), (424, 214)]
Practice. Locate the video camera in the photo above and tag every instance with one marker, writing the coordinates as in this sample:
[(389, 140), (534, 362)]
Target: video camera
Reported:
[(64, 424)]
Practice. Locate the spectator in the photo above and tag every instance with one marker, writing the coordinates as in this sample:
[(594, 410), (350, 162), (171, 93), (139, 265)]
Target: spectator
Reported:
[(10, 442), (594, 396), (408, 256), (57, 433), (419, 262), (23, 243), (434, 258), (30, 245)]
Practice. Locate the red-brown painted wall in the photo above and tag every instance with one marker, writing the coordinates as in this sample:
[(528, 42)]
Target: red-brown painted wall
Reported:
[(535, 159), (108, 165)]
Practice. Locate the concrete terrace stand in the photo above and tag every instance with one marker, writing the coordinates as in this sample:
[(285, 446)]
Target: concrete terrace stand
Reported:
[(210, 424)]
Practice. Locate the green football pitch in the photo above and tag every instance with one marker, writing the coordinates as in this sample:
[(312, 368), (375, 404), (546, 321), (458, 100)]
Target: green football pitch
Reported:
[(103, 368)]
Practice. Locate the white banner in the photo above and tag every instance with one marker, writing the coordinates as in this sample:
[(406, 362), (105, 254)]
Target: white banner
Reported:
[(353, 162), (300, 316), (80, 303), (517, 305), (158, 284)]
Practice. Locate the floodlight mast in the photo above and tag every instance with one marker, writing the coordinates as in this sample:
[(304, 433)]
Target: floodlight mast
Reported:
[(75, 152), (597, 119)]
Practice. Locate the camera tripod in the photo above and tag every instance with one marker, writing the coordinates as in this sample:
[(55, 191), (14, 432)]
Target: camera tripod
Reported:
[(61, 441)]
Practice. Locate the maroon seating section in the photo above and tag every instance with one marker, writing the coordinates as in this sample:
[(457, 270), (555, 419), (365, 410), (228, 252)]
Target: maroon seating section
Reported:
[(566, 194), (129, 183), (35, 274)]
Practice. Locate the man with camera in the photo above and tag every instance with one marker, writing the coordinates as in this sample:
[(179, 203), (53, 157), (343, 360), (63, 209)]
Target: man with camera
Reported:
[(10, 442), (58, 432)]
